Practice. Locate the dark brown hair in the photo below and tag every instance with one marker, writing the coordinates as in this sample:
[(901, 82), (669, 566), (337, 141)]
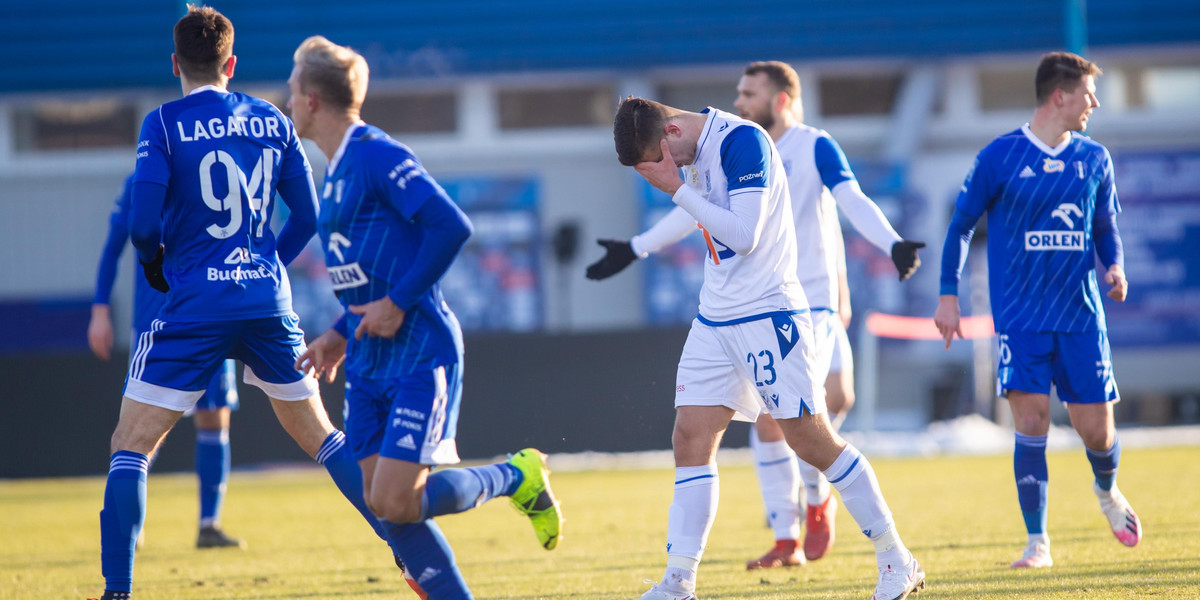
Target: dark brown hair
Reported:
[(1061, 71), (203, 43), (781, 75), (638, 127)]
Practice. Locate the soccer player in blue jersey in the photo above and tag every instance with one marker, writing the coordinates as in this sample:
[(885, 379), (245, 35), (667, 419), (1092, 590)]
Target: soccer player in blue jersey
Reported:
[(750, 350), (211, 413), (1052, 208), (390, 232), (208, 168)]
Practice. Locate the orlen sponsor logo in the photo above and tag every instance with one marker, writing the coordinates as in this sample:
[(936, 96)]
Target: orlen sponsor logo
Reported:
[(348, 276), (236, 274), (749, 176), (1054, 240)]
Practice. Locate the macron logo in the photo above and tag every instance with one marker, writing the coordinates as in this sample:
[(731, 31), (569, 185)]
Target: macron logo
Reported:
[(1026, 173)]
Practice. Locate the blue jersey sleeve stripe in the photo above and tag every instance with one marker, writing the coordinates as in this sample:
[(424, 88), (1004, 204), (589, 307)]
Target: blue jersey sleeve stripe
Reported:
[(831, 162), (746, 158)]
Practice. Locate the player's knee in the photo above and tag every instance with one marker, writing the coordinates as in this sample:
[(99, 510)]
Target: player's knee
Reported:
[(1100, 439), (396, 508)]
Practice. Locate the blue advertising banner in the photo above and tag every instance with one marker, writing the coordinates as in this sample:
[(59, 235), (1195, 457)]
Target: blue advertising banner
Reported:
[(1160, 232), (673, 275)]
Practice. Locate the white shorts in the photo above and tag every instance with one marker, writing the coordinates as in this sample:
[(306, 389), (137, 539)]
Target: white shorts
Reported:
[(763, 365), (843, 356)]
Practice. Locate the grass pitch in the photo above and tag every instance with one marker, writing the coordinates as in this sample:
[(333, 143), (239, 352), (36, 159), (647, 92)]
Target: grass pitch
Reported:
[(958, 515)]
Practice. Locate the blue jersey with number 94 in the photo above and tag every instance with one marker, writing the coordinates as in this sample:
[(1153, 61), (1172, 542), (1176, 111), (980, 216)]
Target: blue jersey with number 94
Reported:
[(220, 155)]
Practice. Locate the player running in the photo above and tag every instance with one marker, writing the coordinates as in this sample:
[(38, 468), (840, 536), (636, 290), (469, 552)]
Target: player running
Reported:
[(212, 410), (208, 168), (1052, 206), (390, 232)]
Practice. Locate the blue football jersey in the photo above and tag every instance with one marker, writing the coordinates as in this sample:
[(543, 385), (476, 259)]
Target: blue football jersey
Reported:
[(147, 301), (373, 187), (1041, 203), (220, 156)]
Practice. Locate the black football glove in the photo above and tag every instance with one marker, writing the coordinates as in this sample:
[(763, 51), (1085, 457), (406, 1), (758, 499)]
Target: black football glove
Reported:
[(154, 272), (904, 255), (618, 255)]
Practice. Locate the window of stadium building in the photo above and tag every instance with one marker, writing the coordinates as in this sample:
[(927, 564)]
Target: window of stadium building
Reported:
[(75, 125), (1006, 88), (859, 94), (697, 95), (421, 112), (556, 107)]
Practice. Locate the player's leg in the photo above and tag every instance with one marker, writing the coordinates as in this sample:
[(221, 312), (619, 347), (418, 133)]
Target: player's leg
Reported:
[(779, 481), (268, 348), (820, 503), (1089, 394), (709, 390), (815, 442), (1024, 375), (211, 418), (171, 364)]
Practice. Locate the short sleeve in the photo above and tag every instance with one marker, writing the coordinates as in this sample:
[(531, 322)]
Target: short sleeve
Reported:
[(746, 158), (831, 162)]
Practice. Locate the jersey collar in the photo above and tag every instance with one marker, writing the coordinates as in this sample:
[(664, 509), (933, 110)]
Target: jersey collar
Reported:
[(704, 132), (209, 88), (1055, 151), (337, 156)]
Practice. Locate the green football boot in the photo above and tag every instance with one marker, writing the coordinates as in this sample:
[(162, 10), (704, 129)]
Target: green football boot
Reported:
[(534, 499)]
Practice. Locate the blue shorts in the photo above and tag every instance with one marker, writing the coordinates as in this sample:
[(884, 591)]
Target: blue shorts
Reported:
[(412, 418), (1078, 364), (174, 362)]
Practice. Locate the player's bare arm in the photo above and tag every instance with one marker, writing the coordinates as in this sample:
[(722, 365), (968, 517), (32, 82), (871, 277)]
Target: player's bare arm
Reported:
[(663, 174), (381, 318), (948, 318), (1115, 276), (323, 356)]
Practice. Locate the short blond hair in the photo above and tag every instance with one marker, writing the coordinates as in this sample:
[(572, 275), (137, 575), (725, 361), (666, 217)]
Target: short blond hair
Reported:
[(337, 74)]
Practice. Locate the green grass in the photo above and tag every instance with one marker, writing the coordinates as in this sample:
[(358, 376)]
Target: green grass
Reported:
[(958, 514)]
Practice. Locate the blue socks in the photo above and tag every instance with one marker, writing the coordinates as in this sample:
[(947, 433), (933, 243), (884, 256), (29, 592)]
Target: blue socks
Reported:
[(122, 517), (428, 558), (1104, 464), (212, 468), (346, 474), (456, 490), (1029, 466)]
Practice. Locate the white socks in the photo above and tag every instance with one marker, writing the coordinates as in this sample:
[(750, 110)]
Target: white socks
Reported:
[(855, 480), (816, 486), (688, 523), (778, 478)]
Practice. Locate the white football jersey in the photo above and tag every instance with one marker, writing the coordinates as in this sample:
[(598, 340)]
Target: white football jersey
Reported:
[(763, 280), (814, 212)]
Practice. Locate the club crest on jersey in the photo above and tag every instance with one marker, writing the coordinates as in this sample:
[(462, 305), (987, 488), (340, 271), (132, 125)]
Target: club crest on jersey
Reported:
[(348, 276), (1079, 170), (1051, 165)]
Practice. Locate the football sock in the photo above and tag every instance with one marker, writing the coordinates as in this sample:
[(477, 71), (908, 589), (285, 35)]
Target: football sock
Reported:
[(428, 558), (816, 486), (688, 523), (1104, 464), (347, 476), (454, 490), (778, 479), (852, 475), (212, 469), (122, 517), (1029, 468)]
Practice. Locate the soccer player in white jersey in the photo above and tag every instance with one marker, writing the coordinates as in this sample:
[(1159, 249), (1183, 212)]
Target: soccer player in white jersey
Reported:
[(750, 350), (390, 232), (769, 95), (211, 413), (1052, 209), (208, 168)]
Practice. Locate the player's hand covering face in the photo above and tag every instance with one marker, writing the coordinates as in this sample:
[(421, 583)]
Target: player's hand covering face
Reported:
[(662, 174)]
